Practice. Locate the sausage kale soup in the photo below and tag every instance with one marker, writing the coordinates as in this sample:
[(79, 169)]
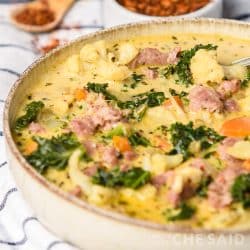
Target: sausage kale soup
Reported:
[(152, 127)]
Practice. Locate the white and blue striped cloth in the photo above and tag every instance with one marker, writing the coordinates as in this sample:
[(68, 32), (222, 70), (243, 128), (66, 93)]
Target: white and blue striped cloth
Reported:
[(19, 228)]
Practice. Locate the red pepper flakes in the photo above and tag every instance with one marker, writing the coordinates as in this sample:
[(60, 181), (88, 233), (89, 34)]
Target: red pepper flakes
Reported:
[(163, 7)]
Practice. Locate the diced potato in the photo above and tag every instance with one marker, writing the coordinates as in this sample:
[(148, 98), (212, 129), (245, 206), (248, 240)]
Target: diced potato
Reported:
[(205, 68), (144, 193), (240, 150), (110, 71), (89, 53), (190, 174), (235, 71), (100, 195), (60, 107), (178, 184), (194, 147), (245, 104), (160, 162), (127, 52), (101, 48), (73, 64)]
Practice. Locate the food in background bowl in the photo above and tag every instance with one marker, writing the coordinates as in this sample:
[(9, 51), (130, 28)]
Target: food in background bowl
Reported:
[(151, 127), (163, 7)]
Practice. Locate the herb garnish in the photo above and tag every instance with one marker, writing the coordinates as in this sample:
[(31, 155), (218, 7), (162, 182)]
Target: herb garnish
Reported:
[(101, 88), (182, 135), (241, 190), (203, 188), (168, 71), (184, 212), (138, 104), (32, 111), (136, 139), (245, 82), (134, 80), (54, 152), (133, 178)]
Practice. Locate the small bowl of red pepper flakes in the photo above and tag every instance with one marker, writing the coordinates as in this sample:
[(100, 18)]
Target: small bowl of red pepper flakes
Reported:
[(127, 11)]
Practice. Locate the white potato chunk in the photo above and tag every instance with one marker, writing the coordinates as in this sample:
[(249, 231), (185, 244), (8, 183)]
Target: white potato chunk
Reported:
[(235, 72), (191, 174), (127, 52), (144, 193), (110, 71), (73, 64), (59, 107), (240, 150), (245, 104), (92, 52), (160, 162), (89, 53), (100, 195), (205, 68)]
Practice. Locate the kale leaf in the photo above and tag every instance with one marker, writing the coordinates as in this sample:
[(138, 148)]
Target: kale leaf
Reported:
[(168, 71), (184, 212), (182, 135), (32, 111), (182, 69), (241, 190), (245, 82), (138, 104), (132, 178), (54, 152), (203, 188), (136, 139), (173, 92), (134, 80), (101, 88)]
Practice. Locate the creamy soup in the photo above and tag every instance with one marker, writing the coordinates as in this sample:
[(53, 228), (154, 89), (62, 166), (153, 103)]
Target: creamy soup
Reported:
[(152, 127)]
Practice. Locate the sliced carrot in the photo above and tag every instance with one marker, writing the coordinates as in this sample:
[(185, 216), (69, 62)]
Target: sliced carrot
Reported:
[(80, 94), (121, 143), (238, 127), (246, 164), (169, 103), (30, 147)]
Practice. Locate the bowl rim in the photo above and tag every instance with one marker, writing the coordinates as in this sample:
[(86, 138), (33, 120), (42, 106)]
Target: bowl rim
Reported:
[(199, 12), (115, 216)]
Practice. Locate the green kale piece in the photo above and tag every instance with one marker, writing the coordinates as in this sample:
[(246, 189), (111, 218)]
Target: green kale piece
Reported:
[(136, 139), (182, 135), (132, 178), (245, 82), (32, 111), (241, 190), (184, 212), (54, 152), (101, 88), (203, 188)]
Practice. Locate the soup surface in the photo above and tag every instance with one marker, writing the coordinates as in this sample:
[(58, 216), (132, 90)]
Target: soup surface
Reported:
[(152, 127)]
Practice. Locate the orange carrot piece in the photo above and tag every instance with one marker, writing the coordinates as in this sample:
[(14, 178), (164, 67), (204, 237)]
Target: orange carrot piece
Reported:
[(169, 103), (238, 127), (80, 94), (121, 143), (30, 147)]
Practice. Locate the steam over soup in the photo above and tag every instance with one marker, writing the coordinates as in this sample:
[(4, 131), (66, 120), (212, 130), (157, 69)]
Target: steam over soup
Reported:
[(152, 127)]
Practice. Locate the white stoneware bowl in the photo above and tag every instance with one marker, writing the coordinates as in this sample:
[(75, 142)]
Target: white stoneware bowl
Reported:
[(84, 225), (116, 14)]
